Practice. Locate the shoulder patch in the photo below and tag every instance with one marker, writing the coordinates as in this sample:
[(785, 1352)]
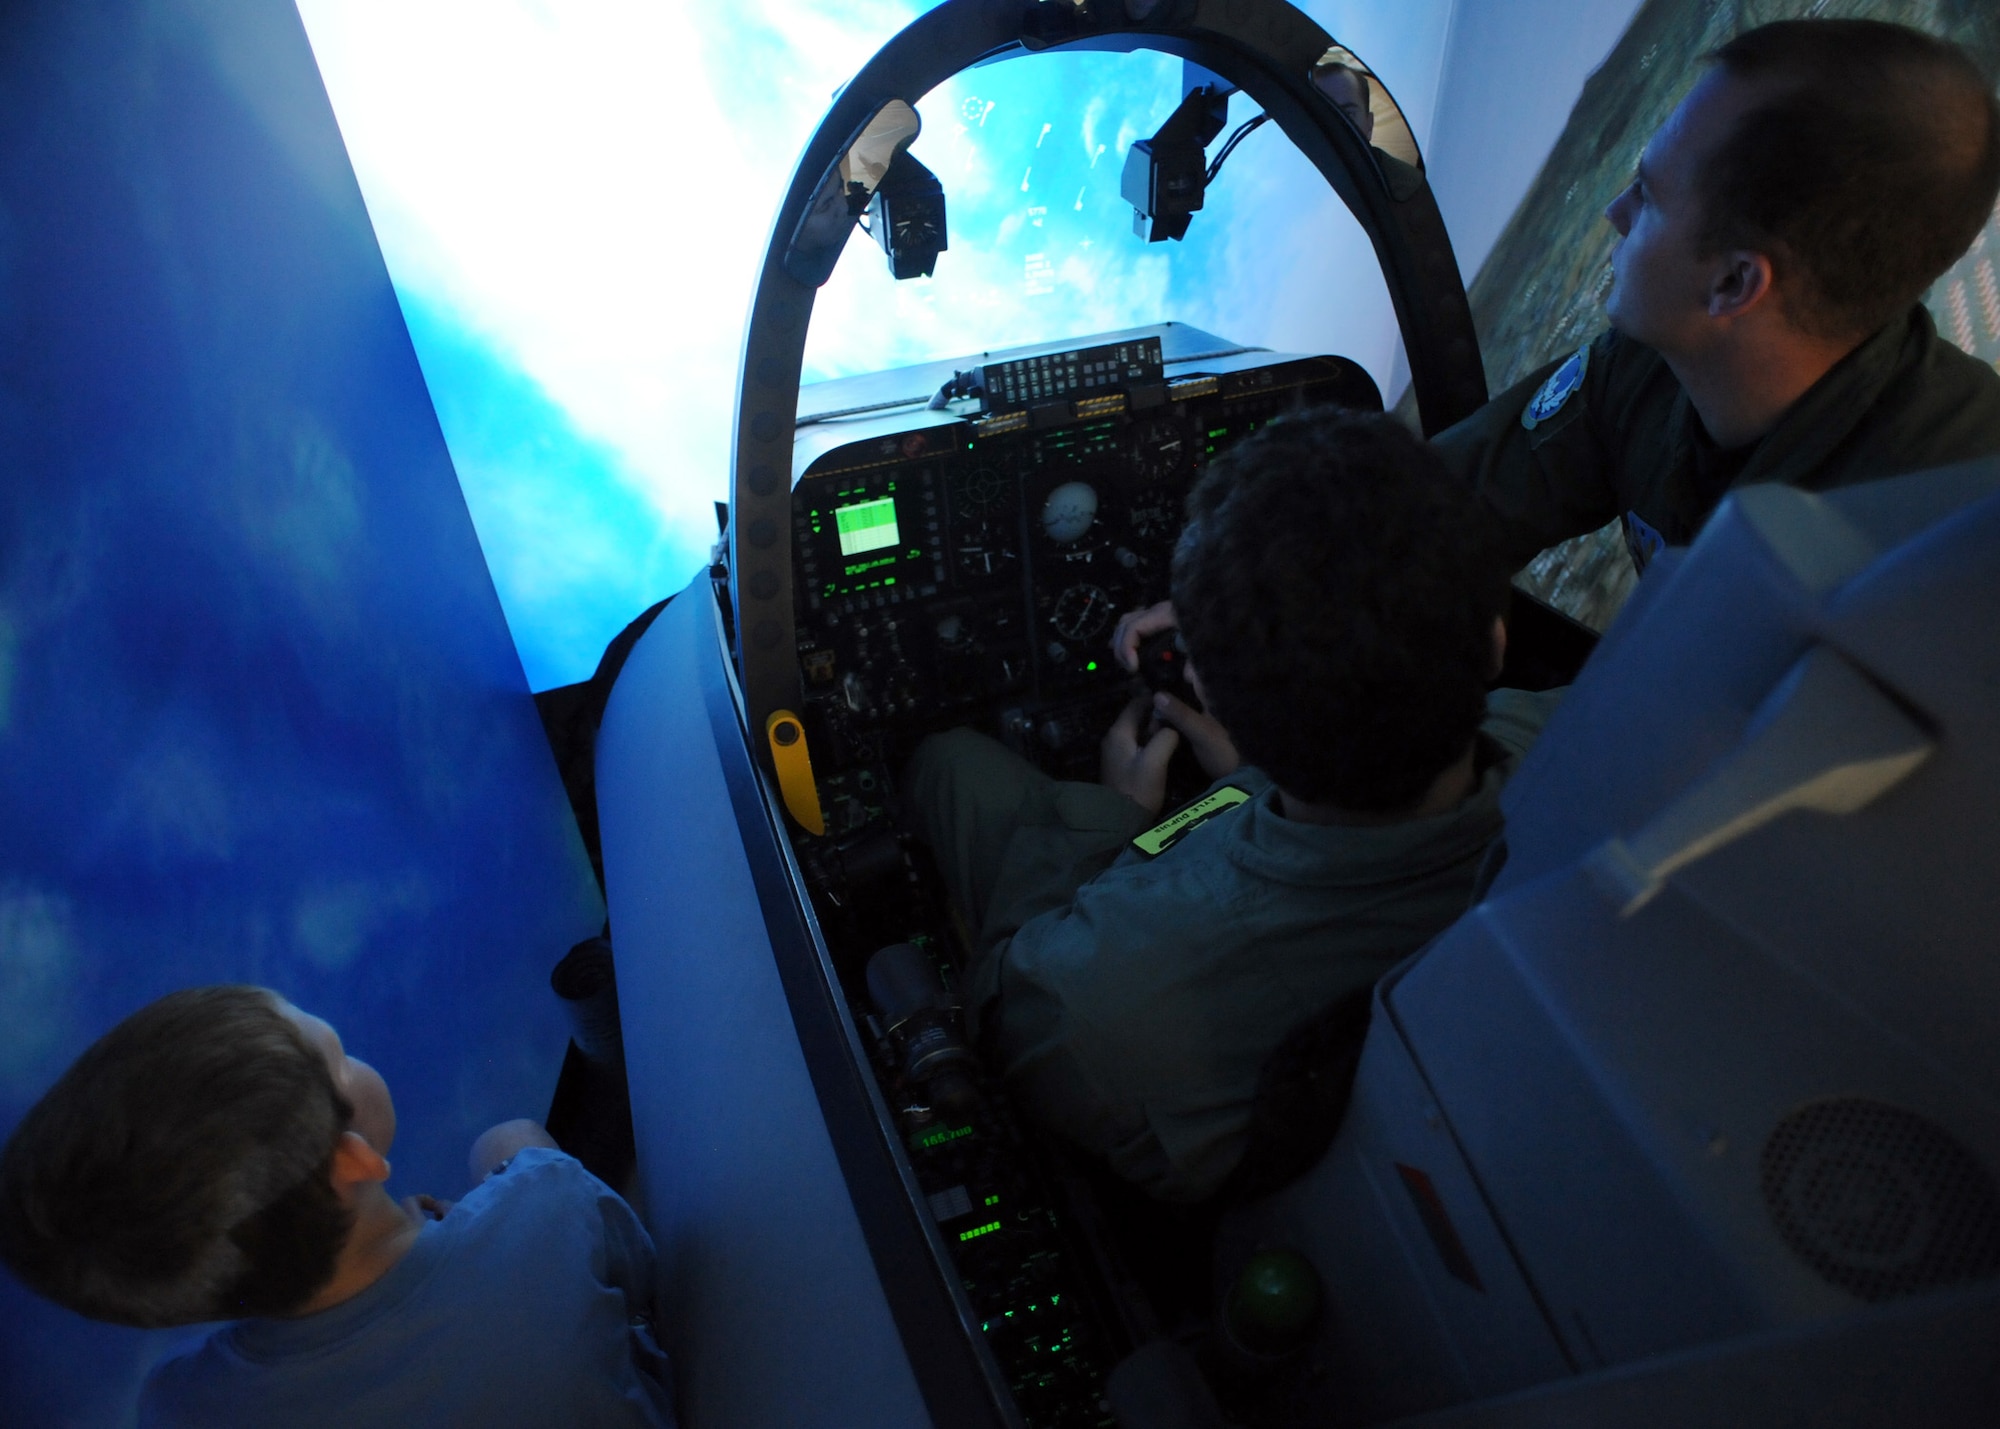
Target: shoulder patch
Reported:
[(1183, 821), (1560, 387)]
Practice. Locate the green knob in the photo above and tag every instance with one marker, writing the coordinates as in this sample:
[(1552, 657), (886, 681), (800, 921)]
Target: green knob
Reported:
[(1272, 1306)]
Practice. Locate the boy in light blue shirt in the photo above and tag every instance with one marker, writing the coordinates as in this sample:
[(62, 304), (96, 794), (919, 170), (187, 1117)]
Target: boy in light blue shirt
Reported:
[(219, 1155)]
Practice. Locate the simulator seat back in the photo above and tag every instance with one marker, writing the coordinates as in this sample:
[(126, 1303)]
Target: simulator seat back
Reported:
[(1719, 1054)]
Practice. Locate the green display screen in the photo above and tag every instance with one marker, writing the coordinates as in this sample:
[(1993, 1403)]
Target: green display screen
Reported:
[(866, 525), (938, 1136)]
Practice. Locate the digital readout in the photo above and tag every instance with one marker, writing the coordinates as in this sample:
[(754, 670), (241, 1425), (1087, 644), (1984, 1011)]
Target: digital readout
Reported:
[(866, 525)]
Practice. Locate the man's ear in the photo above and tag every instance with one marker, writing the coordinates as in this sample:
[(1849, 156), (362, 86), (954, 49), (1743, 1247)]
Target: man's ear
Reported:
[(1741, 280), (355, 1162), (1499, 647)]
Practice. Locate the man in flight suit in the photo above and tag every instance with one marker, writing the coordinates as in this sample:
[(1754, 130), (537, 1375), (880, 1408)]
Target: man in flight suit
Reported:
[(1341, 622), (1765, 323)]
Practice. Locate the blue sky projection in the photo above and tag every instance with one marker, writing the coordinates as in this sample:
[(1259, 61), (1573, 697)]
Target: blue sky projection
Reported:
[(572, 200)]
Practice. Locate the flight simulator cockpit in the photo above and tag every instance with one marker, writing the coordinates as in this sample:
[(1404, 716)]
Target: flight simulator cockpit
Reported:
[(950, 545), (966, 569)]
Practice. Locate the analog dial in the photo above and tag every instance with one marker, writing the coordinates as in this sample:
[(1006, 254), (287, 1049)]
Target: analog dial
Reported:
[(918, 232), (1081, 611), (1069, 512), (977, 490), (983, 549), (1155, 513), (1162, 448)]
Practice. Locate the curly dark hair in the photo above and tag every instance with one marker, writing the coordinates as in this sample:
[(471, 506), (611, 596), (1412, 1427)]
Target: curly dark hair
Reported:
[(181, 1169), (1337, 601), (1867, 168)]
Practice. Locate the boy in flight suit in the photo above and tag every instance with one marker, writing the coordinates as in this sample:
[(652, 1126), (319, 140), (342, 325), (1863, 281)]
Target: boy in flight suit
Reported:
[(1341, 624), (218, 1155), (1765, 323)]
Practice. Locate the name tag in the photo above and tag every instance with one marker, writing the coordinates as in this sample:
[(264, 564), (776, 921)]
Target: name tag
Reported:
[(1177, 826), (1642, 541)]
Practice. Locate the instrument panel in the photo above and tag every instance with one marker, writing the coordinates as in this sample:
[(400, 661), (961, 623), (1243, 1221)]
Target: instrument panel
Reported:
[(959, 574)]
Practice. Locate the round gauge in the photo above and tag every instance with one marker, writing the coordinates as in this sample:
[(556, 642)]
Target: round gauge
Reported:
[(917, 227), (978, 489), (981, 549), (952, 632), (1155, 514), (1069, 512), (1081, 611), (1162, 448)]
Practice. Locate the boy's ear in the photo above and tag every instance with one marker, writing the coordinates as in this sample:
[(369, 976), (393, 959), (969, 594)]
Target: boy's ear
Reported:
[(356, 1163), (1499, 648)]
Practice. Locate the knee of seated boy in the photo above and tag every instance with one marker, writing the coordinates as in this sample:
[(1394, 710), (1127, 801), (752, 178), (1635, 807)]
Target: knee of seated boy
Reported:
[(494, 1147)]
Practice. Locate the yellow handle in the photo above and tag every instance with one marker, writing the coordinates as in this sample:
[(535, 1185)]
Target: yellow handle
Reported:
[(787, 739)]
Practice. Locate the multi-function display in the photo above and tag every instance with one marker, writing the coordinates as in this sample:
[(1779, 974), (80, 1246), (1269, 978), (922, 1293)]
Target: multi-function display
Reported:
[(871, 534), (866, 525)]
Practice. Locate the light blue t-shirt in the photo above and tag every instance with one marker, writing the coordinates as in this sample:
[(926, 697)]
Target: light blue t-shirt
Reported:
[(522, 1306)]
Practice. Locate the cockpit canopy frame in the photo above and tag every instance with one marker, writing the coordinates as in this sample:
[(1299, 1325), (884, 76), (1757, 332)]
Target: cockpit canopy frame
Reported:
[(1267, 48)]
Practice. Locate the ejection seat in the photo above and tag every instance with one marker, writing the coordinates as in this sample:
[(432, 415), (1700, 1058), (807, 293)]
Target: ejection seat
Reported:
[(1695, 1118)]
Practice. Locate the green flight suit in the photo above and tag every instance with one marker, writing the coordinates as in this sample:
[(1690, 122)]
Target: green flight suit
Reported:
[(1626, 443), (1138, 997)]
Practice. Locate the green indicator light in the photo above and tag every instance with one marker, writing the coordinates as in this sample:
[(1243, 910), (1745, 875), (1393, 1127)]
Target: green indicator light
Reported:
[(889, 580), (992, 1200), (977, 1231), (1219, 432), (1055, 1299), (1091, 666), (985, 1324)]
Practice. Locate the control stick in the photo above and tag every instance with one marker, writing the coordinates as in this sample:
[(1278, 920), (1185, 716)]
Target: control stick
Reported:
[(1163, 664)]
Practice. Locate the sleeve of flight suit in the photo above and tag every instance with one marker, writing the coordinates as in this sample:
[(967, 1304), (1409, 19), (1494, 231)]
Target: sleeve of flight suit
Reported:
[(1554, 480)]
